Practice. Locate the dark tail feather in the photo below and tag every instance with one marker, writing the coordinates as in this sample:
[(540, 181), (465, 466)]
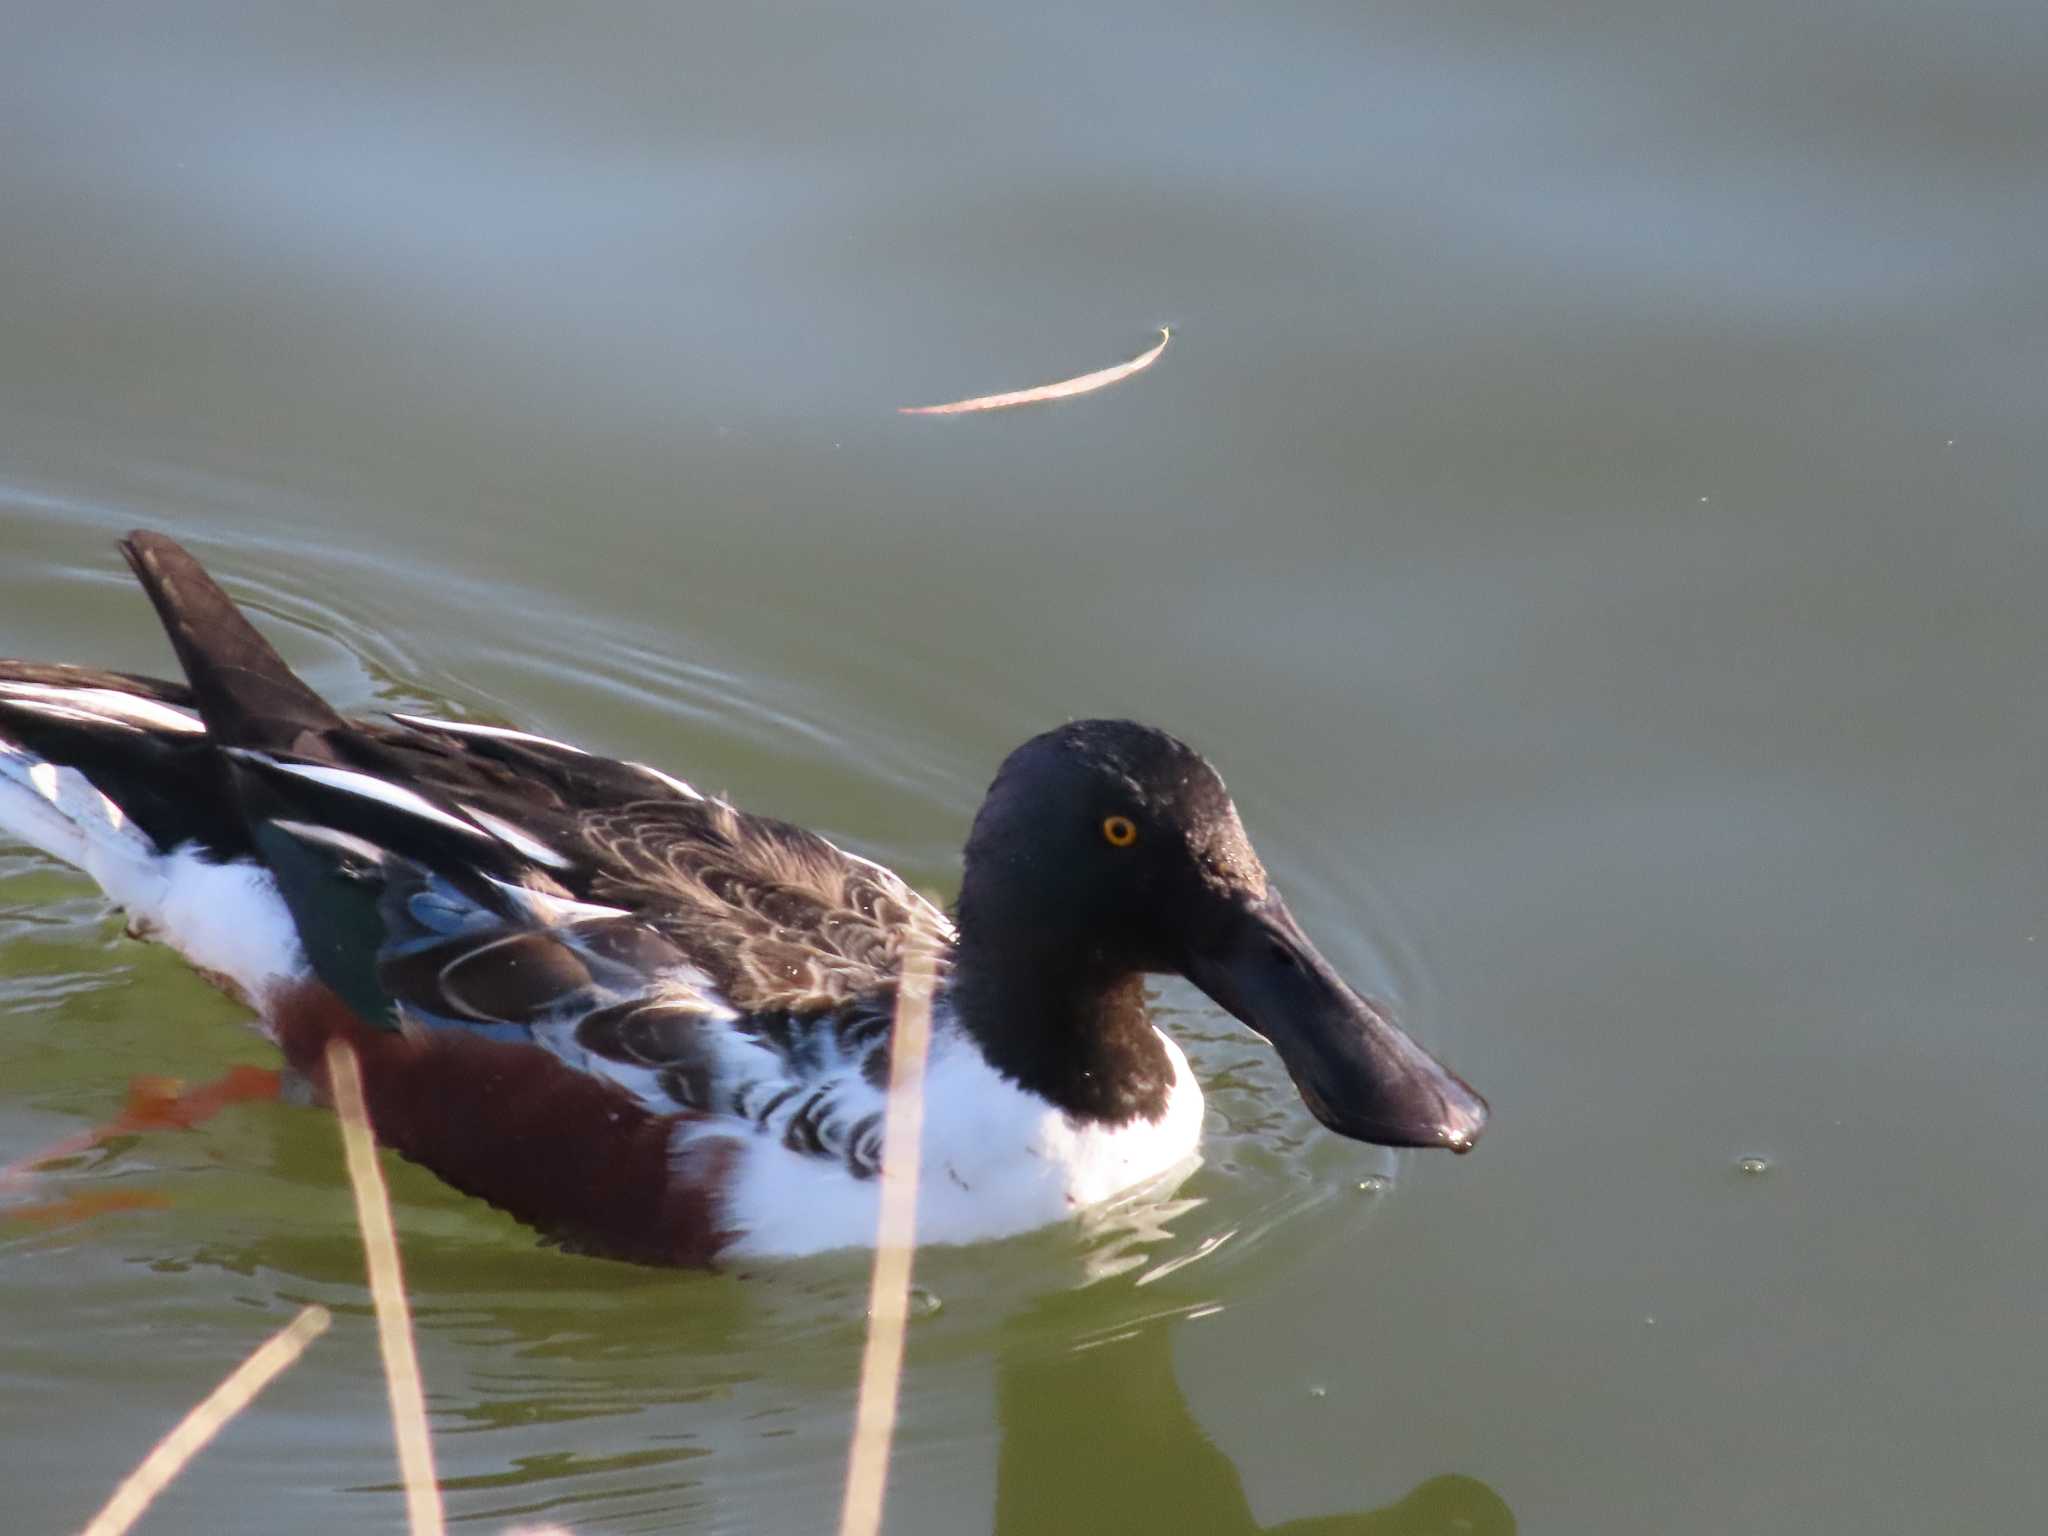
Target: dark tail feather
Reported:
[(243, 690)]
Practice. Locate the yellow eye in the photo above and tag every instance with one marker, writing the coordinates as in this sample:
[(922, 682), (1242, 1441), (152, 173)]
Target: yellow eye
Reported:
[(1120, 831)]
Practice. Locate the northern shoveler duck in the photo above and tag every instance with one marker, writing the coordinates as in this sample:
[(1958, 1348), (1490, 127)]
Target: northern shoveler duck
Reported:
[(651, 1025)]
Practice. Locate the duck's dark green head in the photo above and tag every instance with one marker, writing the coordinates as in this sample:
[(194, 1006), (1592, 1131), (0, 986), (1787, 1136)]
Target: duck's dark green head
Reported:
[(1106, 850)]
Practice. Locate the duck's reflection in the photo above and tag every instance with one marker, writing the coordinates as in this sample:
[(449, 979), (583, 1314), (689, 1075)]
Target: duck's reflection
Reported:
[(1137, 1460), (595, 1392)]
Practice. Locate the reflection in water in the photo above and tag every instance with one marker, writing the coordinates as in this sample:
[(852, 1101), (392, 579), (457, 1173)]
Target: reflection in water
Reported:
[(618, 1398), (1133, 1458), (723, 1402)]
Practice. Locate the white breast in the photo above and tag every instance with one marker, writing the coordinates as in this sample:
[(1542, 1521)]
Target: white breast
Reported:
[(996, 1161)]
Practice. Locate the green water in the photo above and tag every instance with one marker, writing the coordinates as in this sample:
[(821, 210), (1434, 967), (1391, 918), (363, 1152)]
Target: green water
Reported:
[(1592, 510)]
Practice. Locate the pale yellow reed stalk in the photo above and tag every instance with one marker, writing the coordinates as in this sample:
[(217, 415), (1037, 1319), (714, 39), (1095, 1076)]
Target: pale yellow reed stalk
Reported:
[(171, 1453), (387, 1292), (1037, 395), (881, 1366)]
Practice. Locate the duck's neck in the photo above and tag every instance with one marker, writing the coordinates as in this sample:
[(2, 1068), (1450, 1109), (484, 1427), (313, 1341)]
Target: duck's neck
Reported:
[(1076, 1035)]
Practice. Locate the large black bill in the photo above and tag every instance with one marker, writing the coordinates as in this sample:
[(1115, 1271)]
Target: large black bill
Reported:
[(1356, 1071)]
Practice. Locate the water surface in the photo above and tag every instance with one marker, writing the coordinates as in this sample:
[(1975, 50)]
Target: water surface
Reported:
[(1591, 511)]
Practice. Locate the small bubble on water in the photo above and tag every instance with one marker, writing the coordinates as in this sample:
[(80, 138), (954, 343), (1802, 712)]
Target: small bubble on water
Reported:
[(1753, 1167), (923, 1303), (1374, 1184), (1318, 1391)]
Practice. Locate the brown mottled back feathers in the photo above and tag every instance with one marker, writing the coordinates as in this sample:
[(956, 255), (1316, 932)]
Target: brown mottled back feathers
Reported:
[(777, 917)]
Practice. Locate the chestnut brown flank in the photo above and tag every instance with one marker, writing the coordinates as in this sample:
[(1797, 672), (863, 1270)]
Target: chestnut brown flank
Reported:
[(573, 1156)]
